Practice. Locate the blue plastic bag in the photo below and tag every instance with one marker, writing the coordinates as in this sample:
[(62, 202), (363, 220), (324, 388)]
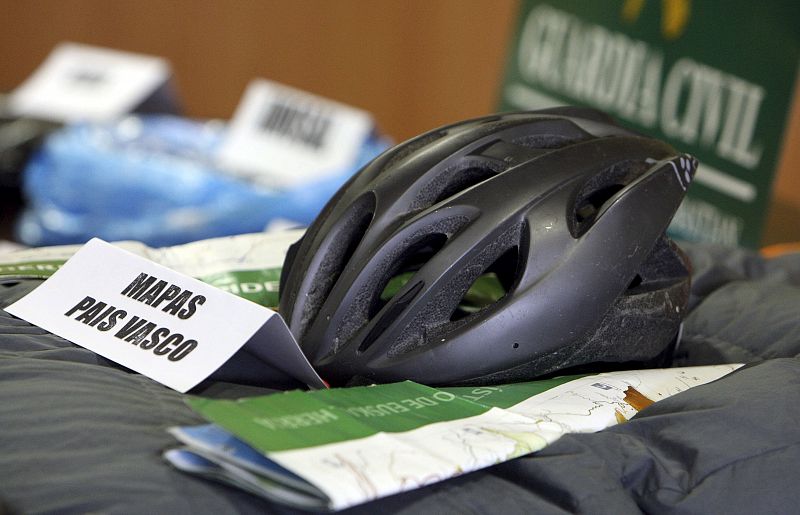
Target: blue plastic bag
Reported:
[(153, 179)]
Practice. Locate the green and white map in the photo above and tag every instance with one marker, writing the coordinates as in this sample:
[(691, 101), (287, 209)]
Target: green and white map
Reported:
[(352, 445)]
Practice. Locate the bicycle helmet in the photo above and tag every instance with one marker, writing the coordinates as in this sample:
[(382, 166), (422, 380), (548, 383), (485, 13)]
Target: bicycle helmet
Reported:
[(567, 209)]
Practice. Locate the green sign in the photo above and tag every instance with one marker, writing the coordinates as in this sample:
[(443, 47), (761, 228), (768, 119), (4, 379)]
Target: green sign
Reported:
[(31, 269), (714, 79)]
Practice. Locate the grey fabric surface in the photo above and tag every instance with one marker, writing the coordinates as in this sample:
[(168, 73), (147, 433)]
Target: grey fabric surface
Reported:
[(80, 434)]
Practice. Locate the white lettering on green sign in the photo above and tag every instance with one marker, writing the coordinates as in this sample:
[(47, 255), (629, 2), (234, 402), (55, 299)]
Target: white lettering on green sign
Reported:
[(698, 104), (297, 420)]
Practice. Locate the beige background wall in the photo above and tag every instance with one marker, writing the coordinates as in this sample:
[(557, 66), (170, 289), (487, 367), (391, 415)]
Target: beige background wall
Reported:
[(415, 64)]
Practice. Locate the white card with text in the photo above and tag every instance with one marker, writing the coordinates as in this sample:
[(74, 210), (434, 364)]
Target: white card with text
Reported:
[(281, 136), (81, 82), (163, 324)]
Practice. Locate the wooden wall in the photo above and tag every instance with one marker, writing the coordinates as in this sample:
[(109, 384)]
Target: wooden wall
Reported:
[(783, 220), (415, 64)]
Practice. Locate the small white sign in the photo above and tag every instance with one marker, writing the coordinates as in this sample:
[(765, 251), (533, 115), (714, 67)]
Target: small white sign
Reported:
[(283, 137), (151, 319), (81, 82)]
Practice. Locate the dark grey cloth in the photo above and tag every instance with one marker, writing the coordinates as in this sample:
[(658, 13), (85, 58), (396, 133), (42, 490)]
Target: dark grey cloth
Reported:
[(80, 434), (745, 309)]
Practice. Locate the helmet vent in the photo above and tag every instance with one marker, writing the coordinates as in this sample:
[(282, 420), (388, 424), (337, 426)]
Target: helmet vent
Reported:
[(455, 179), (552, 133), (588, 205), (489, 287), (664, 266), (478, 285), (549, 141), (397, 307), (636, 282), (598, 190), (344, 238), (463, 180), (386, 279), (414, 257)]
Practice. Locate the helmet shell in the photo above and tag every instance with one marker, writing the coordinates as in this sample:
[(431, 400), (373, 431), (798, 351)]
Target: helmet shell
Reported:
[(567, 209)]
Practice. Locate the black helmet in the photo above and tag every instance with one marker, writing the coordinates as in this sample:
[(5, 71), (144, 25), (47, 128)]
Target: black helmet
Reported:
[(567, 209)]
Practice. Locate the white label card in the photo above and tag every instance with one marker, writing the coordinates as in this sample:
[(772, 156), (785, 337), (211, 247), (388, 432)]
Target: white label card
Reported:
[(151, 319), (284, 137), (81, 82)]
